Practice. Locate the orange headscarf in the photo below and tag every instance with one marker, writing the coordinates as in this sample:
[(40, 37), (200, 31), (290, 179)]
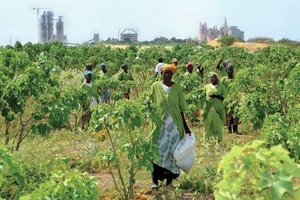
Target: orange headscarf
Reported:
[(170, 67)]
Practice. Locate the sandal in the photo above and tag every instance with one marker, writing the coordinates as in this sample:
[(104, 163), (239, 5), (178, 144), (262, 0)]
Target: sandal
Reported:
[(154, 186)]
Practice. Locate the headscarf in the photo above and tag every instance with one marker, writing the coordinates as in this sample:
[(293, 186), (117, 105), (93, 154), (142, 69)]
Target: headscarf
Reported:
[(170, 67), (227, 62), (189, 64), (124, 65), (174, 60), (230, 66), (210, 74), (102, 65), (87, 73)]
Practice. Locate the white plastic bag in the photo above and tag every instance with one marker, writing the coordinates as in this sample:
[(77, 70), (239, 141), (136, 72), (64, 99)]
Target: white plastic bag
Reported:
[(184, 153)]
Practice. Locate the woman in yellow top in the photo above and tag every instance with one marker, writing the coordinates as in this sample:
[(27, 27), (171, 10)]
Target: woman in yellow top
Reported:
[(166, 133), (214, 109)]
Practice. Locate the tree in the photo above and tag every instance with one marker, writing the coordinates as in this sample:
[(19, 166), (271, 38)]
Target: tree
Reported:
[(226, 40), (124, 126), (30, 97)]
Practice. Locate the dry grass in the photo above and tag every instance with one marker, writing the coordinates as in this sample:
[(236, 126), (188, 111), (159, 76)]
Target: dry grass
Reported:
[(83, 149), (249, 46), (208, 157)]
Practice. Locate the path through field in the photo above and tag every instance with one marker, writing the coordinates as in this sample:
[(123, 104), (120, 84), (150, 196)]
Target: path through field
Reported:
[(207, 159)]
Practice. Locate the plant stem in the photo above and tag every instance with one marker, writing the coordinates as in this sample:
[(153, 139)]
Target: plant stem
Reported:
[(117, 162)]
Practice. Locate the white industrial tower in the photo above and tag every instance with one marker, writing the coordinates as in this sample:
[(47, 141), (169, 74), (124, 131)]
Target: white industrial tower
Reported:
[(38, 22)]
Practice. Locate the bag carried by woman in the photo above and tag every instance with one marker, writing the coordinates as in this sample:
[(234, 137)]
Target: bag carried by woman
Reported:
[(184, 153)]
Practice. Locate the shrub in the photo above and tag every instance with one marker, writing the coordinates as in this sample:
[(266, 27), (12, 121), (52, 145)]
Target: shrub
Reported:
[(254, 172), (226, 40)]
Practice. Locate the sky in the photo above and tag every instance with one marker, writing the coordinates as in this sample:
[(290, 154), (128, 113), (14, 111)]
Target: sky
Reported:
[(275, 19)]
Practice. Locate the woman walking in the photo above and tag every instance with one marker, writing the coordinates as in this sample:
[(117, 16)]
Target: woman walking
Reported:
[(214, 110), (170, 106)]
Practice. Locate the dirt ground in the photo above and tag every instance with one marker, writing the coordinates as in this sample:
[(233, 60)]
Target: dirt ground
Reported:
[(143, 191), (208, 157)]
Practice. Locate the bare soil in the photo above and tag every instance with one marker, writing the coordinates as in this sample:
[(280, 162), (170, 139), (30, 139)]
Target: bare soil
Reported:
[(143, 191)]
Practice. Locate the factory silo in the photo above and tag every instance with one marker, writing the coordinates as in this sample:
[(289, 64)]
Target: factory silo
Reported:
[(50, 26), (59, 27), (43, 28), (46, 25)]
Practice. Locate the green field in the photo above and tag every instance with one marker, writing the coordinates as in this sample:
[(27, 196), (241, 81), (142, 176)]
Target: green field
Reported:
[(45, 154)]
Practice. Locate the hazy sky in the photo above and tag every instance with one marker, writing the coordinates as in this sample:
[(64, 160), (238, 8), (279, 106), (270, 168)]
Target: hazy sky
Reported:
[(276, 19)]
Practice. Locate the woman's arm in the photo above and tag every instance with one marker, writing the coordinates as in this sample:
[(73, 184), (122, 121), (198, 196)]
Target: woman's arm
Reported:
[(186, 128), (217, 96)]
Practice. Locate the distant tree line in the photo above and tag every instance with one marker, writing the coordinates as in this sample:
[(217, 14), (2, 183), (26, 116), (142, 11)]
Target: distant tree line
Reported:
[(286, 41), (224, 41), (267, 40), (155, 41)]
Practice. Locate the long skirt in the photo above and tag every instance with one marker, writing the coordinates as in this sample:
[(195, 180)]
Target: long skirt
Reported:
[(213, 126), (167, 141)]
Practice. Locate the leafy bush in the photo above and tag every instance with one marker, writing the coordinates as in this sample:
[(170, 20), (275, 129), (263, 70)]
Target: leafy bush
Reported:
[(254, 172), (12, 178), (280, 129), (227, 40), (67, 185), (124, 125), (284, 128), (53, 180)]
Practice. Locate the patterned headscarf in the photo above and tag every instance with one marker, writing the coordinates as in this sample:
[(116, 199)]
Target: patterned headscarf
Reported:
[(170, 67)]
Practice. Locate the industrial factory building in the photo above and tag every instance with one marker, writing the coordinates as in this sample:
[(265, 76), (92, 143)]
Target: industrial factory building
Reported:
[(59, 36), (46, 28), (209, 34), (128, 35)]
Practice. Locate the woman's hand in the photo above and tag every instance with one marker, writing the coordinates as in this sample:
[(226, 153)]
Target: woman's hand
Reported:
[(187, 130)]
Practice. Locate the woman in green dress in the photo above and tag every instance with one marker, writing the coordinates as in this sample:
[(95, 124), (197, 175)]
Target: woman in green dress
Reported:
[(170, 128), (102, 89), (214, 109), (91, 98), (89, 68), (232, 121), (125, 75)]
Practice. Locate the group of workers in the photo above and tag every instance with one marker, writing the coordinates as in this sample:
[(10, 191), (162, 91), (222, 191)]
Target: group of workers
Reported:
[(168, 96), (171, 107), (95, 95)]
